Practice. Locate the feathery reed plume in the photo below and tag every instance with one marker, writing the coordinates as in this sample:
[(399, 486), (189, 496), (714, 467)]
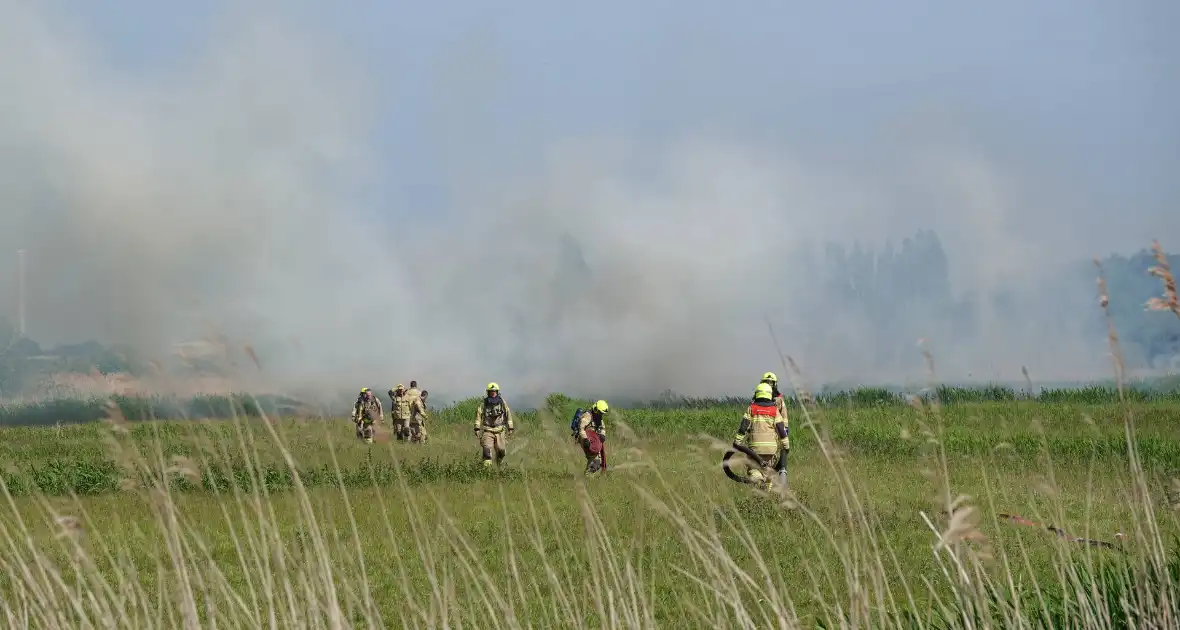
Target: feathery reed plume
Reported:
[(1163, 271)]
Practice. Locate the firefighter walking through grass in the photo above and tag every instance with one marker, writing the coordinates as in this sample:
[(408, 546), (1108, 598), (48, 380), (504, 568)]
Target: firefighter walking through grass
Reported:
[(771, 379), (591, 434), (416, 427), (492, 419), (400, 408), (365, 413), (764, 429)]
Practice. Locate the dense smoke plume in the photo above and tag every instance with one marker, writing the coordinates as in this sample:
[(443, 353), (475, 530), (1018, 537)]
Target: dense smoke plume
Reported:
[(230, 197)]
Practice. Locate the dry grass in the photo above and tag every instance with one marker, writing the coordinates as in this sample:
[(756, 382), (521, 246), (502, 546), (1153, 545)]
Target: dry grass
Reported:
[(1163, 271)]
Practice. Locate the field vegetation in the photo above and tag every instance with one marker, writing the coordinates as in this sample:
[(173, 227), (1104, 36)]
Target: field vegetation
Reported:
[(900, 513)]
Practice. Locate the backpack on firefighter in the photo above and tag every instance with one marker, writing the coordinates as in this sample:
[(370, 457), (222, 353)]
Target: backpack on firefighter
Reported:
[(574, 422), (594, 446)]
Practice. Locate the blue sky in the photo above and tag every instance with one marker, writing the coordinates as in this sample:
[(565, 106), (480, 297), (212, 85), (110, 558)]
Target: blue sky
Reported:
[(1087, 86)]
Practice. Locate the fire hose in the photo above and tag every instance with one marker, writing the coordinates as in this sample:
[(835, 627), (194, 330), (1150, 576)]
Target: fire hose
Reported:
[(1016, 519), (752, 460)]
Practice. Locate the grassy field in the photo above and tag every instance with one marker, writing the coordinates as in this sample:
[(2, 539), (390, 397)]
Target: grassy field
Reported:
[(893, 518)]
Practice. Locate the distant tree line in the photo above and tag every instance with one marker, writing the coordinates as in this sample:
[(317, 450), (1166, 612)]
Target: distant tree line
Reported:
[(899, 292), (904, 289), (25, 365)]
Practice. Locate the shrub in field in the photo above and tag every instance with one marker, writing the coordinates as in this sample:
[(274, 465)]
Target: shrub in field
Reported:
[(141, 408), (64, 477), (865, 397)]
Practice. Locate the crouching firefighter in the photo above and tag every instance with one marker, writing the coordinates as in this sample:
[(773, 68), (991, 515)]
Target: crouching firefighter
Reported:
[(589, 430), (365, 412), (766, 431), (492, 418)]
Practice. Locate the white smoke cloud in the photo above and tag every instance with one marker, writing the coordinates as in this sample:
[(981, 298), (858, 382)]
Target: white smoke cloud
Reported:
[(230, 196)]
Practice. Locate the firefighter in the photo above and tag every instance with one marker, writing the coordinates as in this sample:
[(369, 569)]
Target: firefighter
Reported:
[(424, 408), (766, 430), (400, 411), (365, 413), (416, 425), (591, 434), (492, 418), (771, 379)]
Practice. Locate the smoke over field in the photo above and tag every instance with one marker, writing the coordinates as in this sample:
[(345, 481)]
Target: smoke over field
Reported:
[(232, 196)]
